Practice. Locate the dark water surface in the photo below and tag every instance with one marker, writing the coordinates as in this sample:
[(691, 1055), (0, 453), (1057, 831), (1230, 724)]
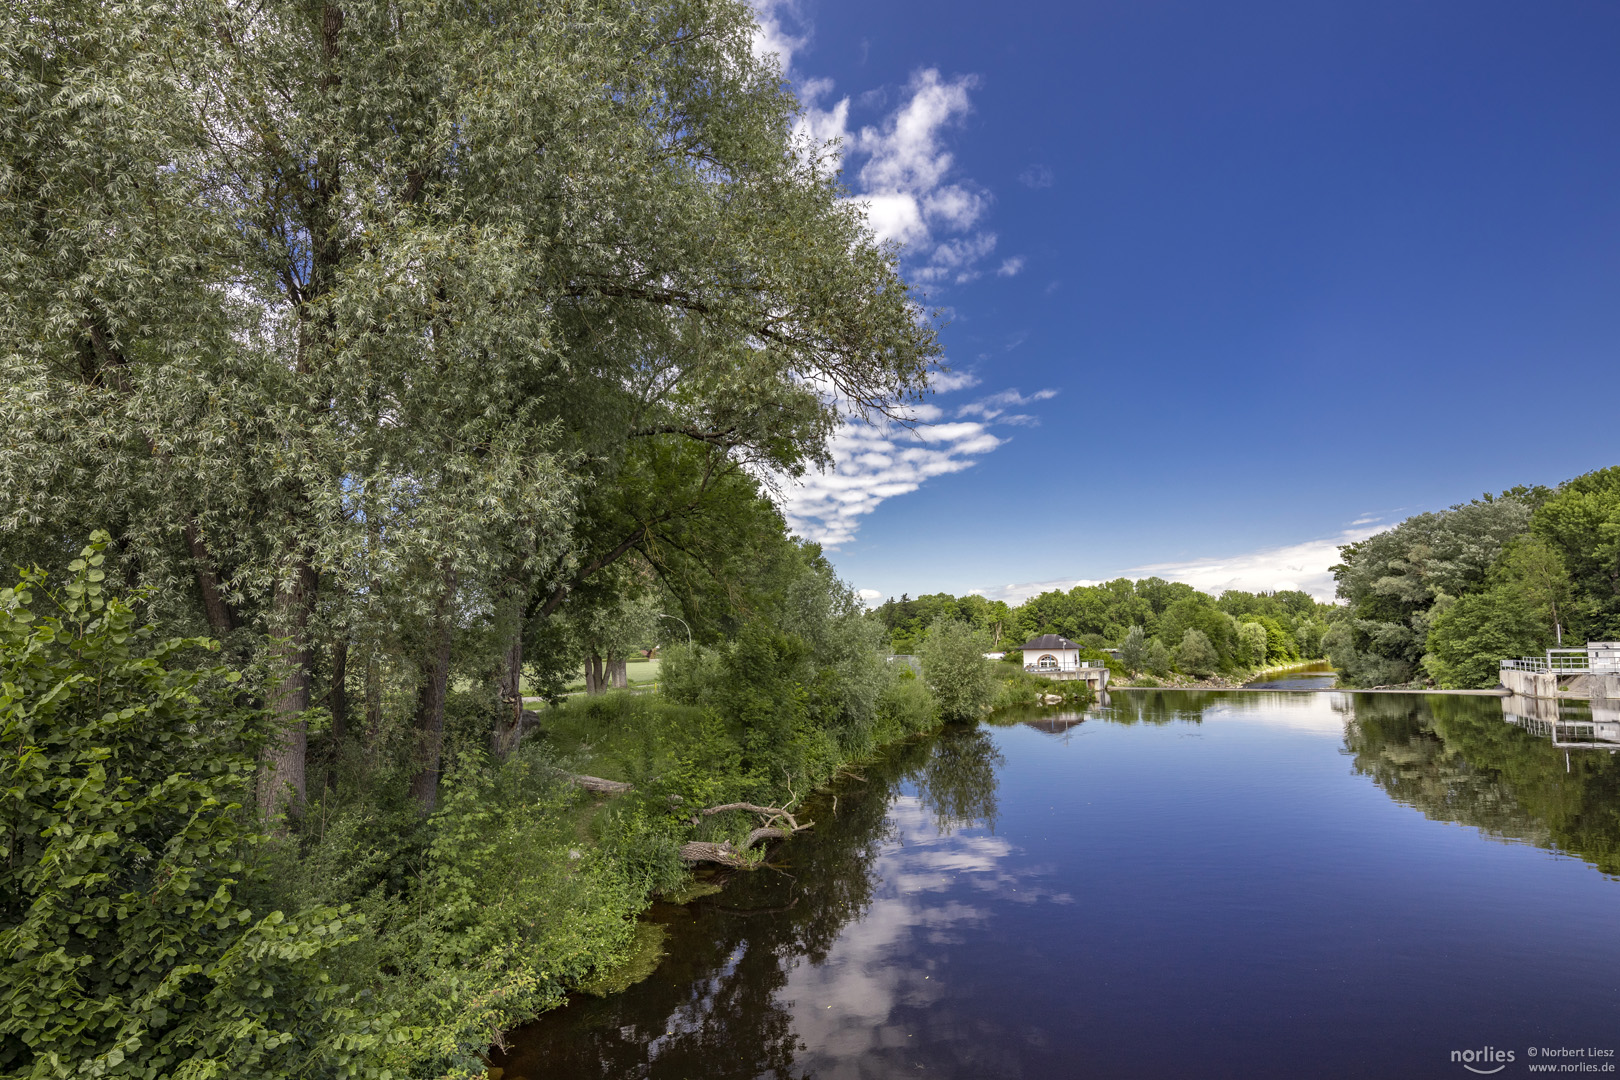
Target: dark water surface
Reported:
[(1176, 885)]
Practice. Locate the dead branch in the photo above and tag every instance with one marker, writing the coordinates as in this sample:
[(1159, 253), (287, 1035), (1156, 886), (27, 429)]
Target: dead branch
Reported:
[(596, 783), (724, 852)]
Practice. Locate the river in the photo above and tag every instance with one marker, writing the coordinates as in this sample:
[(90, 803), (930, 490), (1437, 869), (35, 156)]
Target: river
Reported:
[(1177, 884)]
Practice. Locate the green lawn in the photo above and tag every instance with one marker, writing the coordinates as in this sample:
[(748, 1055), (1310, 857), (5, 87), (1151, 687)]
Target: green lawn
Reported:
[(638, 671)]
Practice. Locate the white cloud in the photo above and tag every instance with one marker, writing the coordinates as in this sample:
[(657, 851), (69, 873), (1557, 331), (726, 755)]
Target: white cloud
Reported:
[(773, 35), (946, 381), (1017, 594), (874, 462), (1011, 267), (1302, 566), (1296, 566), (902, 173), (994, 406)]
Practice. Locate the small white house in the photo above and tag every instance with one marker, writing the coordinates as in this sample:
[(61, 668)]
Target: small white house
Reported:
[(1049, 652)]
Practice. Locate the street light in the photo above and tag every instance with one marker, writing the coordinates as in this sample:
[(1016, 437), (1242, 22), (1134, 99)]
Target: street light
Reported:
[(682, 621)]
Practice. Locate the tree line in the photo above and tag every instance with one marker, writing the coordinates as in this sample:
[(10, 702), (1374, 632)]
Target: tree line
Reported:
[(1157, 626), (1443, 597), (1437, 600)]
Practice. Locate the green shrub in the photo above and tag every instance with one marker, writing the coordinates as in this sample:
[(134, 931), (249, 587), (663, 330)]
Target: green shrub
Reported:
[(128, 947), (956, 671), (906, 707), (1197, 655)]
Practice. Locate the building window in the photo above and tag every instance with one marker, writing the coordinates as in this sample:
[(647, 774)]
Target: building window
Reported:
[(1047, 663)]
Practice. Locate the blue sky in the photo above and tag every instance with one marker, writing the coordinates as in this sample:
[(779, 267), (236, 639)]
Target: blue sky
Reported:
[(1225, 283)]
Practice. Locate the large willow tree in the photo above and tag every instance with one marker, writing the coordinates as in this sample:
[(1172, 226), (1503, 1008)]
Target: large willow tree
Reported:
[(366, 323)]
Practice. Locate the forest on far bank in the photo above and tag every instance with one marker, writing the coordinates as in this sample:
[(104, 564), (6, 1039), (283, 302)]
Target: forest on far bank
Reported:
[(1437, 600)]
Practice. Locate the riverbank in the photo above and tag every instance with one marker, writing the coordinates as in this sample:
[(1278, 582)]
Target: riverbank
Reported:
[(961, 894), (1497, 693), (1236, 681)]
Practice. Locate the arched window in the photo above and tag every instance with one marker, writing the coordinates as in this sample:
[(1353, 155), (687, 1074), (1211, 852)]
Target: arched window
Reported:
[(1047, 663)]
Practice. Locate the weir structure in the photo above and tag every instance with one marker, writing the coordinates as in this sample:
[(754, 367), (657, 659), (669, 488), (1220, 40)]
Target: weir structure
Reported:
[(1590, 672)]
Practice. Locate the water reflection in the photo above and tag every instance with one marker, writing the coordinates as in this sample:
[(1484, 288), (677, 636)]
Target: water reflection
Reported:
[(1586, 725), (1455, 759), (1175, 884), (721, 1005), (1317, 676)]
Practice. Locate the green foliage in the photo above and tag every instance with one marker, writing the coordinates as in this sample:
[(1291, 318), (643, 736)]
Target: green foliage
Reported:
[(906, 708), (1133, 650), (1158, 659), (1471, 635), (130, 946), (956, 671), (1251, 644), (1392, 580), (1453, 593), (1023, 688), (1196, 655), (1580, 523)]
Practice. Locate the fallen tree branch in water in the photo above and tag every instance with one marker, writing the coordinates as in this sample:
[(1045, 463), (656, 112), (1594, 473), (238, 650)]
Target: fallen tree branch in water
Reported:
[(725, 853)]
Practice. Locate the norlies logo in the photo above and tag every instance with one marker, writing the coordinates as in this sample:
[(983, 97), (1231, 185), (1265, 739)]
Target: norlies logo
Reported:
[(1484, 1057)]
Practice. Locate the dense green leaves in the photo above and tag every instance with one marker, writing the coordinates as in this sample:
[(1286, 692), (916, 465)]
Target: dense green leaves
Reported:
[(956, 671), (1454, 593), (129, 948)]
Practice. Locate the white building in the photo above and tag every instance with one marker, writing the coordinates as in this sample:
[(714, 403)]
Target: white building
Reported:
[(1049, 652)]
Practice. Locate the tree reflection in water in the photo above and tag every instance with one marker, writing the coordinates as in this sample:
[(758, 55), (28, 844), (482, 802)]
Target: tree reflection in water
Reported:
[(713, 1008), (1458, 759)]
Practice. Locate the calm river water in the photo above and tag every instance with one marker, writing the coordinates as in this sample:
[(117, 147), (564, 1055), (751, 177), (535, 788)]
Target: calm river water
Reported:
[(1175, 885)]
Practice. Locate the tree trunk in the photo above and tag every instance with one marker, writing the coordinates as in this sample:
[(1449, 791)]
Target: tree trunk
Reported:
[(214, 606), (281, 773), (617, 677), (595, 677), (373, 699), (338, 702), (430, 703), (509, 682)]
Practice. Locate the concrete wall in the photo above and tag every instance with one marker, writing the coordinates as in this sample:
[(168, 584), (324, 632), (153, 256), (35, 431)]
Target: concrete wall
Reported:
[(1546, 684), (1530, 683)]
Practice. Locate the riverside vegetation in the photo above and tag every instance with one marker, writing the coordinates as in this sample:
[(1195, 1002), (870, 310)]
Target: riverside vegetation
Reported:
[(1437, 600), (368, 367)]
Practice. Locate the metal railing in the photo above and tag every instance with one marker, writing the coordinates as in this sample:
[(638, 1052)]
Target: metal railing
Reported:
[(1567, 661)]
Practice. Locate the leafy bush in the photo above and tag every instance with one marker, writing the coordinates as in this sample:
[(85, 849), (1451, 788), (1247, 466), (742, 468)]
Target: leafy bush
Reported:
[(1197, 656), (956, 671), (1133, 650), (1470, 637), (128, 947), (1157, 659)]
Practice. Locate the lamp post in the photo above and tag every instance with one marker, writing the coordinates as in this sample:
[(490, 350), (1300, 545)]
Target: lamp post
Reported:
[(682, 621)]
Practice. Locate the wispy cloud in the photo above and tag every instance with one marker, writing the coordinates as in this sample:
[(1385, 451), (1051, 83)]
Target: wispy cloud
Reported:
[(774, 17), (1017, 594), (1036, 176), (1303, 566), (946, 381), (1295, 566), (903, 174), (876, 462), (996, 405)]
